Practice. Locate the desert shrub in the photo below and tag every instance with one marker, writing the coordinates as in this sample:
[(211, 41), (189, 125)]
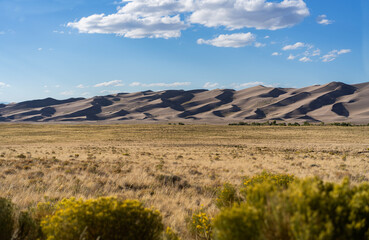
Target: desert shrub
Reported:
[(201, 225), (227, 196), (169, 234), (304, 209), (281, 180), (238, 222), (6, 219), (102, 218), (28, 228)]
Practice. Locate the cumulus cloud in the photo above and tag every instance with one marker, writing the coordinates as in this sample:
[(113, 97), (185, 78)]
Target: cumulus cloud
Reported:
[(294, 46), (291, 57), (276, 54), (138, 19), (175, 84), (332, 55), (322, 19), (259, 14), (305, 59), (210, 85), (3, 85), (114, 83), (235, 40), (167, 18)]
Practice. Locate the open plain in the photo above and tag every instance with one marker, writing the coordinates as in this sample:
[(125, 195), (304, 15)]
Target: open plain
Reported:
[(173, 168)]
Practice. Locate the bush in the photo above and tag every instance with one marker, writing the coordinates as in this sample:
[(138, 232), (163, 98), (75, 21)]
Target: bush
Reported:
[(6, 219), (227, 196), (238, 222), (201, 225), (281, 180), (28, 229), (304, 209), (169, 234), (103, 218)]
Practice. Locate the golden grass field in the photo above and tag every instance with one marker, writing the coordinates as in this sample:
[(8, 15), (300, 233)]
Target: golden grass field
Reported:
[(173, 168)]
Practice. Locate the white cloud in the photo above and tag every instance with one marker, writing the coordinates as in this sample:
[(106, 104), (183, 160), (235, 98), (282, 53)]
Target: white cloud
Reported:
[(246, 85), (115, 83), (249, 84), (316, 52), (343, 51), (305, 59), (167, 18), (3, 85), (109, 91), (175, 84), (81, 86), (39, 49), (322, 19), (332, 55), (257, 44), (210, 85), (67, 93), (138, 19), (276, 54), (294, 46), (266, 37), (235, 40), (60, 32), (291, 57), (259, 14)]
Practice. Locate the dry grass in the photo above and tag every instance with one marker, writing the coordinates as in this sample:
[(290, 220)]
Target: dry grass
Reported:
[(173, 168)]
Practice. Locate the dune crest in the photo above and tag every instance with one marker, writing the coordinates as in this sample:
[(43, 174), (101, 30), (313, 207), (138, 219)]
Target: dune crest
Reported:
[(331, 102)]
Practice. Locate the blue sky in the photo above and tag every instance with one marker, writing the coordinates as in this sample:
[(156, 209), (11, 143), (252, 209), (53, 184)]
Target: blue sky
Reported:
[(74, 48)]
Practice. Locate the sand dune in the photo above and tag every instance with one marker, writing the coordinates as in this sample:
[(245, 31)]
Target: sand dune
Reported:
[(331, 102)]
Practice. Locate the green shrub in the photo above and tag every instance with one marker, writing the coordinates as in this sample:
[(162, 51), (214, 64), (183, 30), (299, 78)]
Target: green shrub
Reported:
[(238, 222), (302, 209), (227, 196), (169, 234), (27, 229), (103, 218), (281, 180), (201, 225), (6, 219)]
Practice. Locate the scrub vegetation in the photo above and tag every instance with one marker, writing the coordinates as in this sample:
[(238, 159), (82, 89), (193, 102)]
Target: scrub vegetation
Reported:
[(205, 174)]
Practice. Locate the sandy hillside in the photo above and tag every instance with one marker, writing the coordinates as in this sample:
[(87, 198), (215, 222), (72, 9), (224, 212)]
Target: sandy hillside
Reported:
[(333, 102)]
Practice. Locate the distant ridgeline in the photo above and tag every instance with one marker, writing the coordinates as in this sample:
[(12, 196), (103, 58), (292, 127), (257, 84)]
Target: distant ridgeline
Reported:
[(329, 103)]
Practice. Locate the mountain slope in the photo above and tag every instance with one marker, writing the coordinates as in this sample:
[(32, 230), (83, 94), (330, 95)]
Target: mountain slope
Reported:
[(331, 102)]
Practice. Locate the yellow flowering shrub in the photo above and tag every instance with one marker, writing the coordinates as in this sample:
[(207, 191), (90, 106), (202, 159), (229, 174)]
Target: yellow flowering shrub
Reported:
[(303, 209), (169, 234), (105, 218), (281, 180), (201, 225), (227, 196)]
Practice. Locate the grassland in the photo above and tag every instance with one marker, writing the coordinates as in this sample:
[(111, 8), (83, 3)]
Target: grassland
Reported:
[(173, 168)]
